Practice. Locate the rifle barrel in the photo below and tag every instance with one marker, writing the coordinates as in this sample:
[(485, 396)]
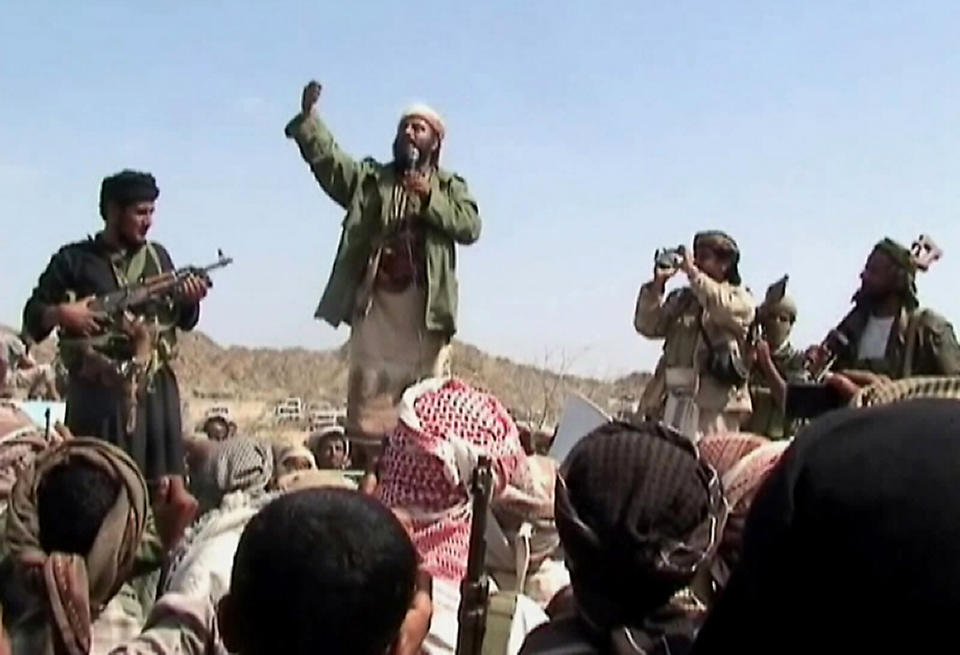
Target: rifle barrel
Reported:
[(481, 488), (475, 587)]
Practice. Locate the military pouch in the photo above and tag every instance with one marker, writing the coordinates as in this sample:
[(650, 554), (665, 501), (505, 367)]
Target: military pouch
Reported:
[(723, 363)]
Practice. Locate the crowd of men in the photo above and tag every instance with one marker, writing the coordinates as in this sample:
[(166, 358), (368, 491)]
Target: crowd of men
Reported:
[(700, 526)]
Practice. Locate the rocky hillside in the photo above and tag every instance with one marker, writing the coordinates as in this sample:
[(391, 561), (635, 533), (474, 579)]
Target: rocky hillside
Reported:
[(208, 370)]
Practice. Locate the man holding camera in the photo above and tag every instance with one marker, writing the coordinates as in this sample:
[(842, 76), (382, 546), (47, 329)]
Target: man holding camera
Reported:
[(700, 385)]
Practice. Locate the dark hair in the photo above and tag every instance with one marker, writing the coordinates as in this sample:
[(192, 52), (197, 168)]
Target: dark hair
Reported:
[(322, 570), (72, 502), (217, 420), (724, 247), (126, 188), (329, 436)]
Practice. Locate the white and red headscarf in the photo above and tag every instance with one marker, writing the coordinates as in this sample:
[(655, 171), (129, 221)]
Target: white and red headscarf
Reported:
[(743, 461), (428, 462)]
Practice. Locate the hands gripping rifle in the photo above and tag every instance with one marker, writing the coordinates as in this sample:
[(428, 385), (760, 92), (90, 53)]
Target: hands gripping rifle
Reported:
[(134, 372), (775, 294), (815, 397), (162, 285), (820, 360), (475, 588)]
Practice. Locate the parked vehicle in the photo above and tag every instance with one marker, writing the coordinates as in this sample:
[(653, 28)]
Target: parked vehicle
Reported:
[(289, 410), (321, 417), (217, 410)]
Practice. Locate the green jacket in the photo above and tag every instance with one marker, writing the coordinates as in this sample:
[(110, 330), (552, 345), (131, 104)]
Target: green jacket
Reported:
[(364, 188), (921, 343)]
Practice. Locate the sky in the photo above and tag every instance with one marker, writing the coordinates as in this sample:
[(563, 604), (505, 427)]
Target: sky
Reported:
[(590, 134)]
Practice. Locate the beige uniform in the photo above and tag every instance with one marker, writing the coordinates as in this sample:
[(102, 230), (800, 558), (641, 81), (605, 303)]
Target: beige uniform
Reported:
[(726, 312)]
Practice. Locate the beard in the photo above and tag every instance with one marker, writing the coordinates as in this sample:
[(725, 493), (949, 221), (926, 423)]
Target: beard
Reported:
[(409, 155), (870, 296)]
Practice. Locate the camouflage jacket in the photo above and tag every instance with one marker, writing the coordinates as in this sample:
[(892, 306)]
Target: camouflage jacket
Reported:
[(364, 188)]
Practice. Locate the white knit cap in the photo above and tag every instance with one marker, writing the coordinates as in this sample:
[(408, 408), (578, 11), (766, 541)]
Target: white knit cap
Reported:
[(428, 114)]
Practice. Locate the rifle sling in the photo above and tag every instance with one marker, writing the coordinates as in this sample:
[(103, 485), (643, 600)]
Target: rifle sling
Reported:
[(133, 271), (125, 276), (913, 327)]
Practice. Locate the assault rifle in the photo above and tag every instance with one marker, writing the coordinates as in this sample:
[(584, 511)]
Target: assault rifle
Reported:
[(154, 287), (820, 360), (775, 293), (475, 588), (814, 398)]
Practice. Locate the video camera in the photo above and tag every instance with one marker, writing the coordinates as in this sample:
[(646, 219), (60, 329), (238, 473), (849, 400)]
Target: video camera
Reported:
[(669, 258)]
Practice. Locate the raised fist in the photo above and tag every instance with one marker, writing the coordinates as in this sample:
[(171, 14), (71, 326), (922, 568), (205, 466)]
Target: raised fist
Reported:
[(311, 93)]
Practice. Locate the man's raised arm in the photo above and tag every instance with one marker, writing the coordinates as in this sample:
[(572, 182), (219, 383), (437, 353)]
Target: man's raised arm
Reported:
[(336, 171)]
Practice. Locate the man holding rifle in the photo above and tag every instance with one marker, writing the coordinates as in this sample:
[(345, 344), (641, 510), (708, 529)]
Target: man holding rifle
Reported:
[(121, 387), (888, 335), (775, 363)]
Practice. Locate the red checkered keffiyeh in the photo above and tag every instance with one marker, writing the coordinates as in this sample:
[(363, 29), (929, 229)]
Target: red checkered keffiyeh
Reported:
[(723, 451), (444, 426), (742, 482), (743, 461)]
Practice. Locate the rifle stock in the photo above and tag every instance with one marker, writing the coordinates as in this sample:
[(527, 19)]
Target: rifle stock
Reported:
[(475, 587)]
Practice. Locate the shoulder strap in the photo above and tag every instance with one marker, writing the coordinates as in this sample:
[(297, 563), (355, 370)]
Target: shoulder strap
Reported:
[(135, 267), (128, 273), (154, 256), (138, 263), (913, 326), (703, 331)]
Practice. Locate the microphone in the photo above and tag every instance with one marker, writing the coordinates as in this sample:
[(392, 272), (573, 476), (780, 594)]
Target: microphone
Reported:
[(413, 158)]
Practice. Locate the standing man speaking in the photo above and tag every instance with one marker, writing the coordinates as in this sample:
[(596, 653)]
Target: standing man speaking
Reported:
[(394, 276)]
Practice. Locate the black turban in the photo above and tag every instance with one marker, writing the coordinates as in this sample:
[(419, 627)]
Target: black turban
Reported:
[(637, 512), (905, 263), (126, 188), (723, 245)]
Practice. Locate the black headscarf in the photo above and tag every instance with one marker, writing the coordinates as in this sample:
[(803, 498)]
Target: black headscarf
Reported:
[(906, 267), (127, 187), (853, 544), (724, 246), (637, 512)]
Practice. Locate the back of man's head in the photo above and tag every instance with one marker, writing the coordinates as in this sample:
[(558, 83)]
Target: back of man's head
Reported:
[(320, 570), (637, 513), (72, 502)]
